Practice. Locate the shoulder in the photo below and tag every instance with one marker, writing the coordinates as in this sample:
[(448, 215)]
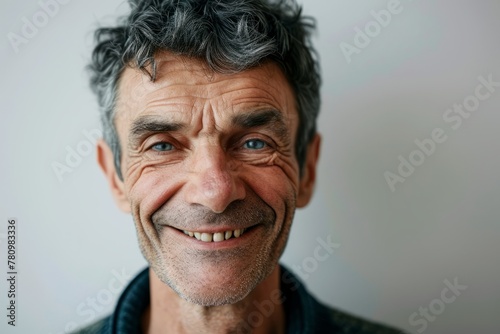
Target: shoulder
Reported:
[(306, 314), (346, 323), (98, 327), (126, 317)]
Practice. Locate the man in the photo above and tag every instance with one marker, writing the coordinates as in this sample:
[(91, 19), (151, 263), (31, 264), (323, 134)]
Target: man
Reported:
[(209, 111)]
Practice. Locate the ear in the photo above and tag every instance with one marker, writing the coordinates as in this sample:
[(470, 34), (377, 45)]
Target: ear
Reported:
[(308, 179), (105, 159)]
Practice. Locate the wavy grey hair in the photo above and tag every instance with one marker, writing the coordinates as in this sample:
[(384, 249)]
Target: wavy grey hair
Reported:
[(229, 35)]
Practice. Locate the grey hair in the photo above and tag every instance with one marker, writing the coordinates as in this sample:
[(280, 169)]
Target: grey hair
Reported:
[(229, 35)]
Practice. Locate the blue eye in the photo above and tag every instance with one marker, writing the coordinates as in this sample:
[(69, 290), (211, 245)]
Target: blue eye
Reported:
[(163, 147), (254, 144)]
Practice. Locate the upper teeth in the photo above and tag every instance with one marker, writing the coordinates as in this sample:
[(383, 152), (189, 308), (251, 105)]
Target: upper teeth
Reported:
[(215, 237)]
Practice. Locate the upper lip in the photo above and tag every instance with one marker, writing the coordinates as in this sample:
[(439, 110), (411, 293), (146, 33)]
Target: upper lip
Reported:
[(212, 230)]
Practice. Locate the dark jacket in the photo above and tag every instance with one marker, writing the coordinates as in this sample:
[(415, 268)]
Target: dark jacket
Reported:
[(304, 314)]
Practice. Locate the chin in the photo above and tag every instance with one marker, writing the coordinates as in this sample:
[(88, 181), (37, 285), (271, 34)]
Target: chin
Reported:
[(214, 285), (214, 298)]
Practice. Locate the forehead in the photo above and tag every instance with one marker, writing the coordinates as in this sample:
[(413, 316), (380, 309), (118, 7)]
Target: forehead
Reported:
[(184, 86)]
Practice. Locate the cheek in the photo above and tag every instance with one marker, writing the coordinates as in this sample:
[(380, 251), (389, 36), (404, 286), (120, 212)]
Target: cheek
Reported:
[(273, 186), (151, 188)]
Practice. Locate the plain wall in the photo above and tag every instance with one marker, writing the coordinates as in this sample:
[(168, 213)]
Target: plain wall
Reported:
[(397, 247)]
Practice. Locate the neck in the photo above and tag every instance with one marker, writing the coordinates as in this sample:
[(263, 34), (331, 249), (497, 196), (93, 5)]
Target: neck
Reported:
[(261, 312)]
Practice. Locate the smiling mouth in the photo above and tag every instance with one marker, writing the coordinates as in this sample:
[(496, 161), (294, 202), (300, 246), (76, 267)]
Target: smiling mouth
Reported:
[(216, 237)]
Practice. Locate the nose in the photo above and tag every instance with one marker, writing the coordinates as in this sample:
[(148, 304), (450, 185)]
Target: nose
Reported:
[(212, 183)]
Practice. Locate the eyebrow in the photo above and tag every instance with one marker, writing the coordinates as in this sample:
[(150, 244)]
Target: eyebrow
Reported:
[(269, 118), (146, 125)]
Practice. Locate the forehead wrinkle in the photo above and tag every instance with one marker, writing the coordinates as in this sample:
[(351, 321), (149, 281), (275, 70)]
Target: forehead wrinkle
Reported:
[(197, 75), (259, 101), (187, 88), (209, 117)]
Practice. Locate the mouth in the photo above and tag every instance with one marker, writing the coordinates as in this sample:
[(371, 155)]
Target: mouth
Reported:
[(217, 236)]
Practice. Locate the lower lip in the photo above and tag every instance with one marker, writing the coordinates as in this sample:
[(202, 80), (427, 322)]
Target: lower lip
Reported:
[(230, 243)]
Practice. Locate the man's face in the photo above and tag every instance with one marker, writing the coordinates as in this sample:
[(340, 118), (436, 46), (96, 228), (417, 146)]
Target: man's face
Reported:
[(209, 173)]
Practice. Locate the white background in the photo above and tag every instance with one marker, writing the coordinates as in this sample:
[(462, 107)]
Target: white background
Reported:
[(397, 247)]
